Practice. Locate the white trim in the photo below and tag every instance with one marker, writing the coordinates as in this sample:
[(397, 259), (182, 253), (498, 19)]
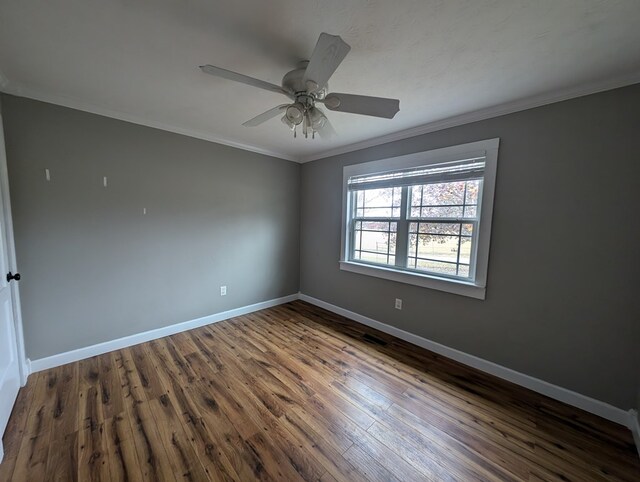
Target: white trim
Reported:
[(635, 428), (488, 149), (1, 451), (20, 91), (569, 397), (475, 116), (11, 258), (483, 114), (417, 279), (100, 348)]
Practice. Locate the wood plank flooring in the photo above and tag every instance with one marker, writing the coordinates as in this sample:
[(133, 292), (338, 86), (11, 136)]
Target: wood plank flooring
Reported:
[(297, 393)]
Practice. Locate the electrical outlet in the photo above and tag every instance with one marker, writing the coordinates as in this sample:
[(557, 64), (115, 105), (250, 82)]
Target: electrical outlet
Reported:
[(398, 304), (223, 291)]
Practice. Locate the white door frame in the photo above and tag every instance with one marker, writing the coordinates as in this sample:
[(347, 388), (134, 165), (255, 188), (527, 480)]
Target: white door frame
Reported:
[(11, 254)]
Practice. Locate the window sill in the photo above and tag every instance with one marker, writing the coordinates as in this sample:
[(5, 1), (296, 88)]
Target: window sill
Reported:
[(426, 281)]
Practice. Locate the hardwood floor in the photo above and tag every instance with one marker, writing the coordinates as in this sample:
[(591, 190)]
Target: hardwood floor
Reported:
[(295, 392)]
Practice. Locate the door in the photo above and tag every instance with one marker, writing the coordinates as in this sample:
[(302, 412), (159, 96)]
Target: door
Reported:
[(11, 369)]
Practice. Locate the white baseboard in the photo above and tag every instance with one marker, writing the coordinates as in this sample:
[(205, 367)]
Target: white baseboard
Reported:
[(569, 397), (627, 418), (27, 370), (100, 348)]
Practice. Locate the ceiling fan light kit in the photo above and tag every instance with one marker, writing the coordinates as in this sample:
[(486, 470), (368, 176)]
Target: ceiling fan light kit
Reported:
[(307, 86)]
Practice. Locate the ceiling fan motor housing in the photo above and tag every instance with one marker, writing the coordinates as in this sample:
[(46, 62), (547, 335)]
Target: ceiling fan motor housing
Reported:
[(294, 82)]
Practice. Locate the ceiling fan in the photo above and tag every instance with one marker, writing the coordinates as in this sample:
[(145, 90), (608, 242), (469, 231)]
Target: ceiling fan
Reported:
[(307, 86)]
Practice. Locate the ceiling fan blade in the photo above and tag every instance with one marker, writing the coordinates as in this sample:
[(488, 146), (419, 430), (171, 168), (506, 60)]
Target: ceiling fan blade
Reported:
[(327, 131), (328, 54), (362, 104), (244, 79), (265, 116)]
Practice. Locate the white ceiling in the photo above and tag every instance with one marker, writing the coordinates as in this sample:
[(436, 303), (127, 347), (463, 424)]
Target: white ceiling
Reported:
[(138, 60)]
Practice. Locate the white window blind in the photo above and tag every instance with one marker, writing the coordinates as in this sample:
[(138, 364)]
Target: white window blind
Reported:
[(463, 170)]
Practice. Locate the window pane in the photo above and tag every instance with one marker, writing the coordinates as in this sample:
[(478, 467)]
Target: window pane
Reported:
[(442, 212), (375, 241), (375, 225), (444, 200), (436, 267), (376, 213), (443, 194), (373, 257), (416, 195), (413, 245), (392, 243), (439, 242), (379, 203), (463, 271), (470, 211), (397, 197), (440, 228), (438, 247), (465, 250), (473, 187), (411, 262)]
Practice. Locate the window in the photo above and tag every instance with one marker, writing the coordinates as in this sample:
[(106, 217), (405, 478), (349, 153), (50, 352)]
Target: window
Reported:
[(422, 219)]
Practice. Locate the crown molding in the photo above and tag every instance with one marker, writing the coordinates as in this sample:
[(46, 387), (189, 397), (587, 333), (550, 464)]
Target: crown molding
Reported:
[(22, 91), (483, 114), (490, 112)]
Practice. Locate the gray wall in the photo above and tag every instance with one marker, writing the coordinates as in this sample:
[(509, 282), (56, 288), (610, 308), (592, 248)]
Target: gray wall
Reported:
[(95, 269), (562, 301), (562, 293)]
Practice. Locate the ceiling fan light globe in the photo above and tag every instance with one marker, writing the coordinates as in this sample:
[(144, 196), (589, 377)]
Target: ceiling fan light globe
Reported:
[(287, 122), (317, 118), (295, 113), (319, 124)]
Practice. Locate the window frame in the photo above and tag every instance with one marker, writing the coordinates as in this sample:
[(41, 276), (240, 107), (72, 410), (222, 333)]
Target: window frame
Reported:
[(476, 288)]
